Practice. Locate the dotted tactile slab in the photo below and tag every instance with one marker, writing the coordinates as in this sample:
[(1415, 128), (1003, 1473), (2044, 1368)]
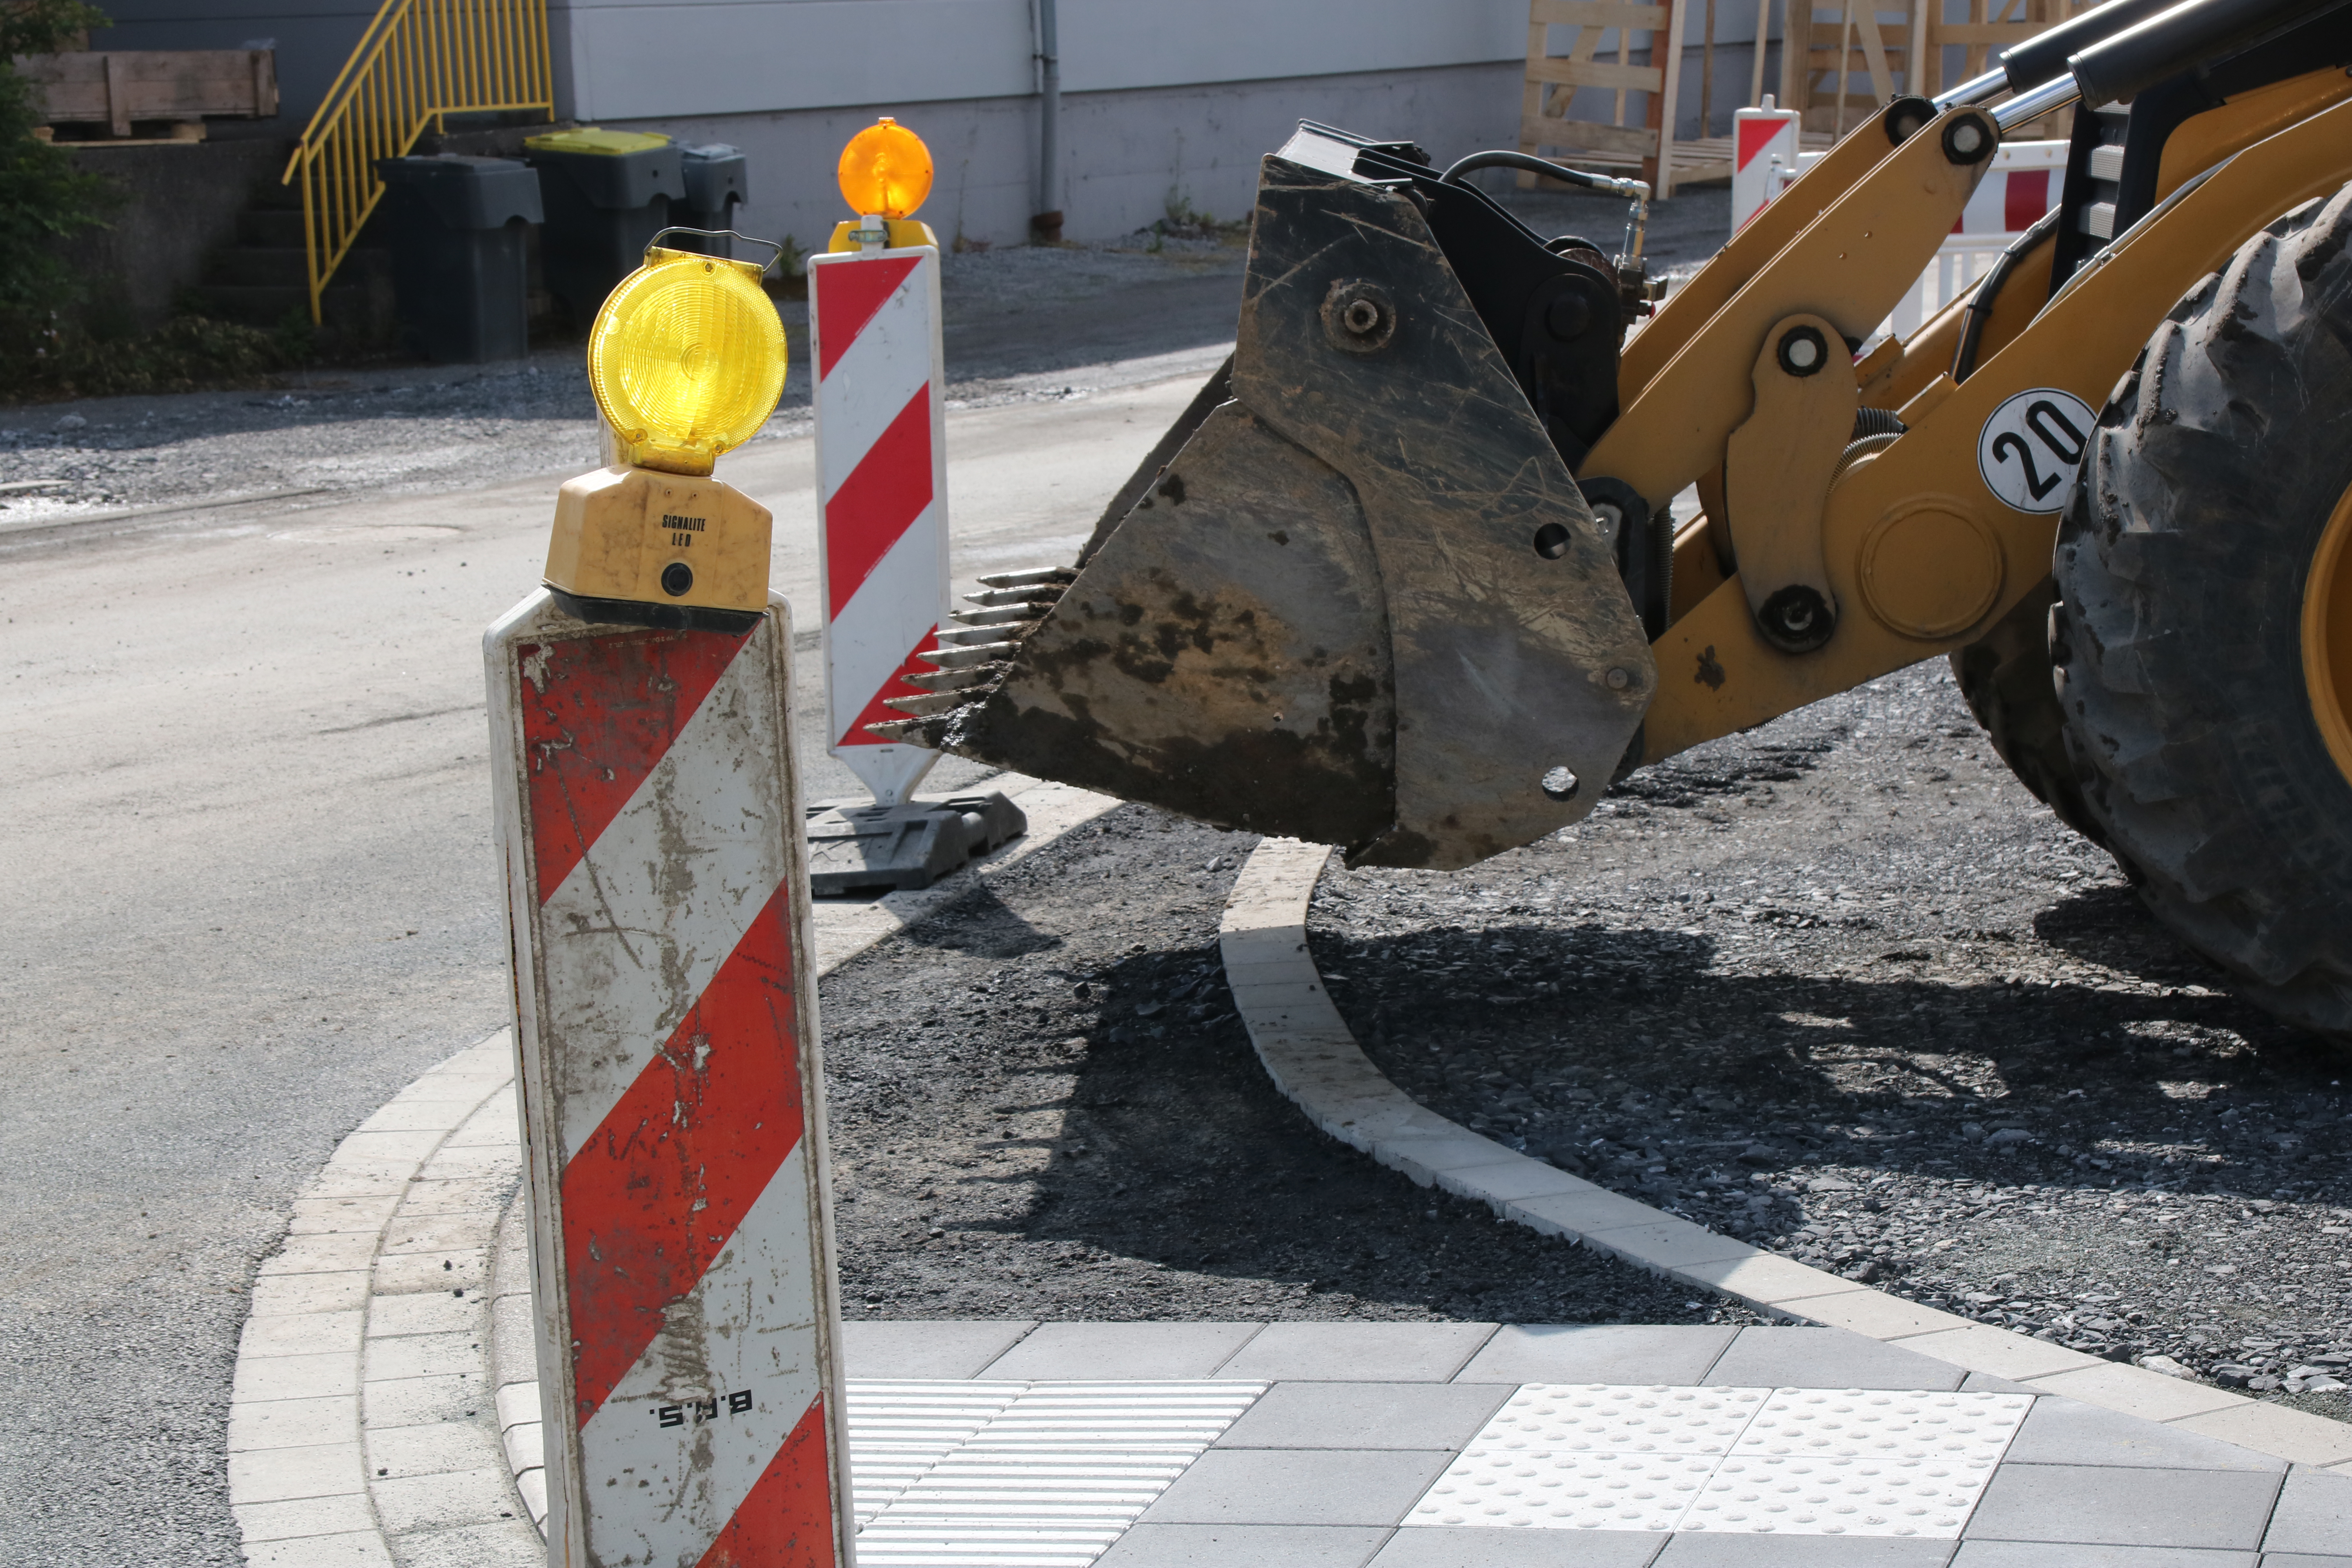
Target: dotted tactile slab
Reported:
[(1604, 1418), (1883, 1423), (1929, 1497), (1729, 1460), (1566, 1490)]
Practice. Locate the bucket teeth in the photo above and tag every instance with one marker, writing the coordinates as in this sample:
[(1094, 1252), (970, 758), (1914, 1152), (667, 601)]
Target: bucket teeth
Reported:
[(1060, 576), (960, 657), (970, 677), (1011, 616), (973, 637), (926, 706), (973, 654), (1041, 596)]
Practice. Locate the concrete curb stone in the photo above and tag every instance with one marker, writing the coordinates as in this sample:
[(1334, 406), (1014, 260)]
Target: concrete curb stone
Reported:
[(384, 1409), (1313, 1058)]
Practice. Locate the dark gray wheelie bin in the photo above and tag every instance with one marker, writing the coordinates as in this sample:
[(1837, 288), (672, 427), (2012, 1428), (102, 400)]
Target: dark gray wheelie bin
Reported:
[(459, 259), (715, 187)]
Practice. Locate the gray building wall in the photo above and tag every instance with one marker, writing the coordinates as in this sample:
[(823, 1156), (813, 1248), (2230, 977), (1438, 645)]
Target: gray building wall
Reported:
[(1132, 155)]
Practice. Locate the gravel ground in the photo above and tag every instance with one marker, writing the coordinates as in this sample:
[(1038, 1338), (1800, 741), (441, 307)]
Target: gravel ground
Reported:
[(1026, 323), (1022, 325), (1840, 987), (1043, 1106)]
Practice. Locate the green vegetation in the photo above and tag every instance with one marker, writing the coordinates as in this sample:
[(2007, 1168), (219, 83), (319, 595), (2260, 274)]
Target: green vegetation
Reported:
[(43, 197)]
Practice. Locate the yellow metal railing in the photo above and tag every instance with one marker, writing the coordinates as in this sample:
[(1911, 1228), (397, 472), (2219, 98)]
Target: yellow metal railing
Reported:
[(418, 62)]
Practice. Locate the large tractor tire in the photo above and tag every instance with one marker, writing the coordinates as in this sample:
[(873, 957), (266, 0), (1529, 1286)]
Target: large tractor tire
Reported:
[(2203, 638), (2005, 675)]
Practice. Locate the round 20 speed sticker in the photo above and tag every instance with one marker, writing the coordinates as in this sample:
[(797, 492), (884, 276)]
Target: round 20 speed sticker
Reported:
[(2032, 445)]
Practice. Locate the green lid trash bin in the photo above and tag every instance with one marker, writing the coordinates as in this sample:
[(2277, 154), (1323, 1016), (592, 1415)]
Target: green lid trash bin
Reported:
[(460, 265), (608, 194)]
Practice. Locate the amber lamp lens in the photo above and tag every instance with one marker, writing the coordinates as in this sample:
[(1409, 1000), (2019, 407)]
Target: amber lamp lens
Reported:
[(885, 170), (688, 356)]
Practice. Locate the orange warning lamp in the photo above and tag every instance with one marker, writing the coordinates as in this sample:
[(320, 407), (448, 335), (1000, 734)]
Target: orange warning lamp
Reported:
[(885, 169), (885, 175)]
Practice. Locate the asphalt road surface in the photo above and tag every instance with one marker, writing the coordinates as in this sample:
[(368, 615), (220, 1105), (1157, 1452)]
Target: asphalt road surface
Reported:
[(245, 814), (250, 894)]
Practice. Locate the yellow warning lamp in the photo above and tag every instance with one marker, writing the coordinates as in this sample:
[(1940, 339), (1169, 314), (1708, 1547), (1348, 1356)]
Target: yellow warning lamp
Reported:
[(686, 361), (884, 174)]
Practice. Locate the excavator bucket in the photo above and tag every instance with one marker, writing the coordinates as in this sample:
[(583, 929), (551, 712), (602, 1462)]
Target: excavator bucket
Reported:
[(1355, 598)]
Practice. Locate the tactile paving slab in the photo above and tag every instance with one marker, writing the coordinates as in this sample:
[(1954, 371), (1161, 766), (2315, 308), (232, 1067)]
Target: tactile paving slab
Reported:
[(1787, 1461), (1566, 1490), (1049, 1479), (898, 1431), (1840, 1497), (1605, 1418)]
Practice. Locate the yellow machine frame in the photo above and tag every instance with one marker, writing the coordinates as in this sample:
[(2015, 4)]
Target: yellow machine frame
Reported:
[(1907, 540)]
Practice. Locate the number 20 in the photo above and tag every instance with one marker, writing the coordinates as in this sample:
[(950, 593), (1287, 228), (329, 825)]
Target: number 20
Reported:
[(2064, 443)]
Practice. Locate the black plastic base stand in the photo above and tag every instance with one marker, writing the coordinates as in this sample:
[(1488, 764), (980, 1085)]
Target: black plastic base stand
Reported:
[(852, 848)]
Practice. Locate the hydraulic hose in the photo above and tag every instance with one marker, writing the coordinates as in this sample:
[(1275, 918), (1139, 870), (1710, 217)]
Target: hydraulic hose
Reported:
[(1546, 167), (1637, 191), (1979, 310)]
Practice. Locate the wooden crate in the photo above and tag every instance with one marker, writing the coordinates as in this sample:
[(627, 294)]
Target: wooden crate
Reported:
[(1552, 80), (115, 87)]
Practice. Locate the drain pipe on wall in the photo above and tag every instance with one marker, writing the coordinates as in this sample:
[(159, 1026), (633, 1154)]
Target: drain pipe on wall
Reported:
[(1046, 227)]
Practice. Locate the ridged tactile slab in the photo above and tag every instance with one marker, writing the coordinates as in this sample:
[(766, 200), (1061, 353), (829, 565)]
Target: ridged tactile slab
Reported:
[(1048, 1480)]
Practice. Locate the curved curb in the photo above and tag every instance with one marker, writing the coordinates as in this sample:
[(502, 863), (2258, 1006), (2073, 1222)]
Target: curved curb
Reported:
[(1313, 1061), (385, 1402)]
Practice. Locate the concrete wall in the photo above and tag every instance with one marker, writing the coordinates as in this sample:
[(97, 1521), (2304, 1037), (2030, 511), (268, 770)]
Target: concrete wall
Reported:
[(181, 203)]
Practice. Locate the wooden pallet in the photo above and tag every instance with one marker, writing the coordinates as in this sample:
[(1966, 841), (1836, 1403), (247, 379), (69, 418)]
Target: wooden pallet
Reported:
[(115, 88)]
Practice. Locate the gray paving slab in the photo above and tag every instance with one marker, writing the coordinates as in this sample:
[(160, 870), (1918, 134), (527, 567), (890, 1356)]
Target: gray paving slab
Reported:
[(1695, 1550), (1299, 1486), (2108, 1505), (1990, 1383), (2058, 1431), (935, 1348), (1825, 1358), (1394, 1353), (1366, 1415), (1484, 1546), (1230, 1545), (2314, 1514), (2302, 1559), (1058, 1350), (2045, 1554), (1598, 1352)]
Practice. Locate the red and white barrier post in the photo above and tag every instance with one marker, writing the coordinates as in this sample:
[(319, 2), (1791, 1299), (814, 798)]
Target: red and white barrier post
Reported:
[(1760, 138), (882, 522), (648, 822), (882, 495)]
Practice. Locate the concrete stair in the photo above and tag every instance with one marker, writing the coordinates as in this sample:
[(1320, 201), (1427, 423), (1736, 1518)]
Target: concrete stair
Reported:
[(262, 278)]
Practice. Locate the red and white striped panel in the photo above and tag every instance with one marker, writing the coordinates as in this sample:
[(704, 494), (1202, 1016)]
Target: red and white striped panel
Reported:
[(2022, 185), (1759, 138), (649, 822), (882, 494)]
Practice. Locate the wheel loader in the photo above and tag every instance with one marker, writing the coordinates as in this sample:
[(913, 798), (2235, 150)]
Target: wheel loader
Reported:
[(1409, 576)]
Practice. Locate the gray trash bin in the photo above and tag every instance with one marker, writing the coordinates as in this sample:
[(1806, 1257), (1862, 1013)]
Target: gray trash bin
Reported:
[(459, 265), (608, 194), (715, 187)]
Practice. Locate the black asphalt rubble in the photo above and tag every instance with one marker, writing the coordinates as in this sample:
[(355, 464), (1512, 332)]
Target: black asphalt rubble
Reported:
[(1840, 987), (1042, 1106)]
